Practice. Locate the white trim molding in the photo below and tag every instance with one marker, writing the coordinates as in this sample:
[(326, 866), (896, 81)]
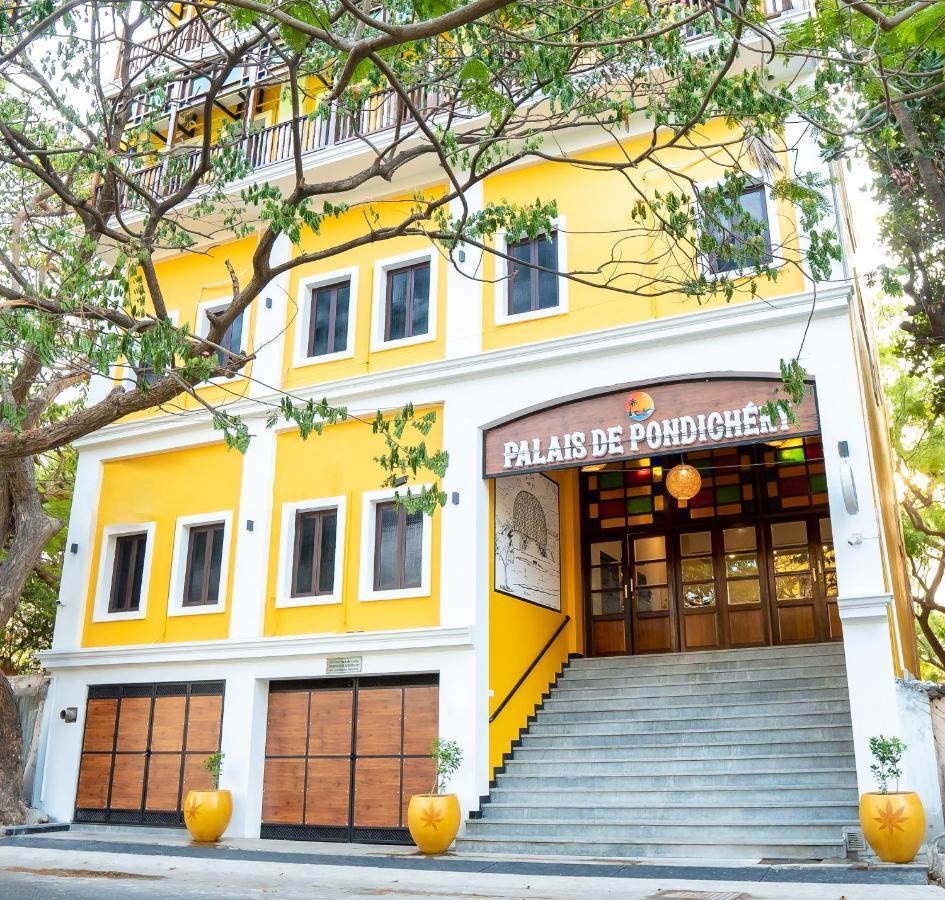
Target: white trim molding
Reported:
[(304, 645), (379, 298), (501, 286), (106, 565), (284, 596), (776, 312), (175, 597), (862, 609), (366, 590), (303, 301)]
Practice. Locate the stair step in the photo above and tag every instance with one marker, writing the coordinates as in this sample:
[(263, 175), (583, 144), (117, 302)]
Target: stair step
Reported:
[(664, 832), (656, 690), (657, 849), (623, 735), (680, 751), (684, 813), (824, 652), (587, 723), (713, 675), (659, 768), (613, 710), (672, 795), (772, 778)]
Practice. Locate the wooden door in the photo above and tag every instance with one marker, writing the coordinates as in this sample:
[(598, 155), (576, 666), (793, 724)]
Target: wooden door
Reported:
[(803, 581), (701, 613), (740, 559), (344, 756), (608, 594), (651, 613), (143, 748)]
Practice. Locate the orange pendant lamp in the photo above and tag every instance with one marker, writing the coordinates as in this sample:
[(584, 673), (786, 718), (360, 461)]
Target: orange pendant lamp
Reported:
[(683, 481)]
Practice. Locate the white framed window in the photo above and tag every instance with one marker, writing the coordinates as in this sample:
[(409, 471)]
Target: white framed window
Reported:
[(311, 552), (757, 200), (404, 300), (124, 572), (145, 373), (524, 291), (234, 339), (326, 317), (396, 549), (200, 564)]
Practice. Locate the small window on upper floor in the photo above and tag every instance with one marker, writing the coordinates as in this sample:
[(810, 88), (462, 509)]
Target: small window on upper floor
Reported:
[(739, 248), (407, 308), (313, 560), (127, 572), (328, 319), (532, 274), (398, 548), (232, 339), (204, 564)]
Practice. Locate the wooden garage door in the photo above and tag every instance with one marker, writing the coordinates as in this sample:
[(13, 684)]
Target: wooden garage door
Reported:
[(144, 747), (344, 756)]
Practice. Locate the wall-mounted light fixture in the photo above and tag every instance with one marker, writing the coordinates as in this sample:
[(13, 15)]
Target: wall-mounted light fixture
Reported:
[(73, 548), (400, 481), (847, 481), (268, 302), (69, 714), (250, 524), (455, 498)]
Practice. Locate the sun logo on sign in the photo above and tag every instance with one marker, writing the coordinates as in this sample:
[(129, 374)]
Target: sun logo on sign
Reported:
[(640, 406)]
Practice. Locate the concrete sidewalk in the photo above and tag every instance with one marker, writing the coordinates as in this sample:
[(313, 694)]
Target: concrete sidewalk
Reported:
[(158, 865)]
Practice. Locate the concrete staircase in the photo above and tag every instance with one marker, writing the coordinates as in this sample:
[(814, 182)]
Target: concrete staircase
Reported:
[(723, 754)]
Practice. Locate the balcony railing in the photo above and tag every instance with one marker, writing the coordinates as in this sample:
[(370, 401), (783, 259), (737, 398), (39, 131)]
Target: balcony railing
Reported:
[(381, 111), (196, 33)]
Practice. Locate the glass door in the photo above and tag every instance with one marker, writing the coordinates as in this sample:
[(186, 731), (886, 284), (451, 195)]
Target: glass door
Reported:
[(804, 576), (698, 591), (609, 594), (742, 567), (651, 614)]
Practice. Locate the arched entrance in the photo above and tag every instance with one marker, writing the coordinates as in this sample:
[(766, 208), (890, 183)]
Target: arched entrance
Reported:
[(746, 562)]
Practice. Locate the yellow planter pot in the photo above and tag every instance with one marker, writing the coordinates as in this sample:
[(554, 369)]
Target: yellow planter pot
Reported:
[(207, 813), (433, 820), (893, 824)]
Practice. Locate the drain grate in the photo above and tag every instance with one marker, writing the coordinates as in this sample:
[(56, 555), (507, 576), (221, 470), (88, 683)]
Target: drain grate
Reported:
[(853, 840)]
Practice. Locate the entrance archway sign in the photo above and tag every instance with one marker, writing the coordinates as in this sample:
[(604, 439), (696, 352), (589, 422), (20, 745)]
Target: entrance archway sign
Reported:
[(638, 420)]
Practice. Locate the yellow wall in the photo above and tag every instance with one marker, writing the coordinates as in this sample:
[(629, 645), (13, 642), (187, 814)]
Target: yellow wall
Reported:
[(518, 630), (188, 281), (336, 231), (340, 462), (596, 207), (158, 489)]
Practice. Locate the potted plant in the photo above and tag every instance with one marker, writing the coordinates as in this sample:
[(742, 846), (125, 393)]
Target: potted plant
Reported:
[(433, 819), (207, 813), (893, 822)]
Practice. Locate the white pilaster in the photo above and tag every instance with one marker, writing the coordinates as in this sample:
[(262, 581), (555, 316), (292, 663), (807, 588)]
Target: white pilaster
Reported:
[(251, 566), (269, 342), (76, 576), (463, 290), (243, 744)]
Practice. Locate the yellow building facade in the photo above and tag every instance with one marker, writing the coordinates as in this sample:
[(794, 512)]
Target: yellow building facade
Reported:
[(282, 594)]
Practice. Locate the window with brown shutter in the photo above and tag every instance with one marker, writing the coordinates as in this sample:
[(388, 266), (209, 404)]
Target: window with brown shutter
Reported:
[(398, 548), (533, 279), (313, 560), (127, 572), (204, 564)]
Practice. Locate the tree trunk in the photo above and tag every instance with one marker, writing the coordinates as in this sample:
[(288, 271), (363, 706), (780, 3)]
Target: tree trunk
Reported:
[(12, 809), (935, 191), (28, 530)]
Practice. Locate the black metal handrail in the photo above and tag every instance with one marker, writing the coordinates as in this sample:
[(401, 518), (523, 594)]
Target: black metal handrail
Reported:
[(528, 671)]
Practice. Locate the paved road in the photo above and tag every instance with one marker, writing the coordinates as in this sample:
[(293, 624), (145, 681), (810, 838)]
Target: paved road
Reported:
[(61, 872)]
